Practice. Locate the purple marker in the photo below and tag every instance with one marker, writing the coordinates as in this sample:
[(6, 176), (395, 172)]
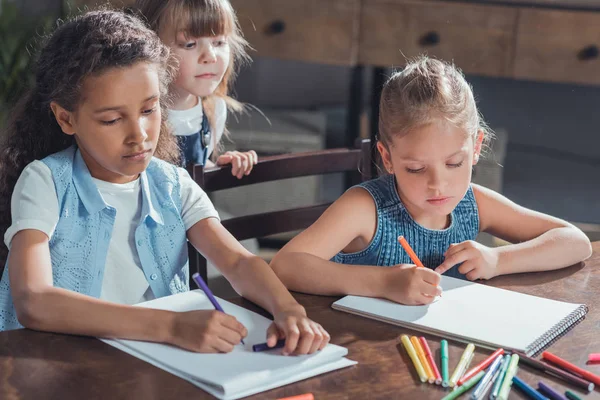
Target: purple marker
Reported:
[(202, 285), (549, 392), (264, 347)]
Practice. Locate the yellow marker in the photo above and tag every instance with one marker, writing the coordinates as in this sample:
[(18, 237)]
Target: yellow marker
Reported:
[(462, 364), (412, 353), (423, 358)]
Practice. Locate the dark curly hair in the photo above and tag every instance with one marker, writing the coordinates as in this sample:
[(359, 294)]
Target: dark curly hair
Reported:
[(87, 45)]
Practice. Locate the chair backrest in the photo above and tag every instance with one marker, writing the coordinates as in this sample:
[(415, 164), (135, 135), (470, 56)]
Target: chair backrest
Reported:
[(271, 168)]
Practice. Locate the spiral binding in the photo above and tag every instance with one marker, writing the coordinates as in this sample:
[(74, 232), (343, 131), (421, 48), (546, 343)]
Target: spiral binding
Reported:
[(557, 331)]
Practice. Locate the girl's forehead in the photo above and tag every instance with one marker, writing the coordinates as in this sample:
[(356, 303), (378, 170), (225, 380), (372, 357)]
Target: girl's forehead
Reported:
[(438, 137), (121, 85)]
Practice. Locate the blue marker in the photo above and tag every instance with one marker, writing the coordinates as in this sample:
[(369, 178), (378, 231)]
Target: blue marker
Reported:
[(483, 384)]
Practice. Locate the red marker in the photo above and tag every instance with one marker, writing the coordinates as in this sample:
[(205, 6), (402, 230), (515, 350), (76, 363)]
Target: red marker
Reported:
[(571, 367), (431, 361), (483, 365)]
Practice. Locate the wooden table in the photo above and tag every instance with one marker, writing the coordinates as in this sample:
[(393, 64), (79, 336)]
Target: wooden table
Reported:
[(36, 365)]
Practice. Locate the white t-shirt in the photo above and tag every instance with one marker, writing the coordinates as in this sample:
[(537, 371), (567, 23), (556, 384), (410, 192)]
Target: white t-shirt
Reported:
[(34, 205), (188, 122)]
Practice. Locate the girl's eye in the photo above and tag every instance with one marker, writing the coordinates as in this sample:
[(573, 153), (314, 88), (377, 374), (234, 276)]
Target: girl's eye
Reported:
[(111, 122), (149, 111), (189, 45), (457, 165), (414, 171), (220, 43)]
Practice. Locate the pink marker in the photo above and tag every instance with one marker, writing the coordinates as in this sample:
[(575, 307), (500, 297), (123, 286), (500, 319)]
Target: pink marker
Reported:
[(594, 357)]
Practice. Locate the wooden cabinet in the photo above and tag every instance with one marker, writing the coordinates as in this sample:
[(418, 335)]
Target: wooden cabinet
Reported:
[(479, 39), (558, 46), (324, 31)]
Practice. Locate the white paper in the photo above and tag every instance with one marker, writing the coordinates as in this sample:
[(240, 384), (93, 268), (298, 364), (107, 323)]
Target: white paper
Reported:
[(241, 372), (471, 312)]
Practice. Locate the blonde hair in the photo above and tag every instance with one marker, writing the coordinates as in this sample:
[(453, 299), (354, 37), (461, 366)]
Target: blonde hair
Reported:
[(427, 90), (198, 18)]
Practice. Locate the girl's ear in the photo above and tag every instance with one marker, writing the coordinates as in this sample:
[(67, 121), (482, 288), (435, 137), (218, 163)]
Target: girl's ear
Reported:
[(64, 118), (477, 146), (385, 157)]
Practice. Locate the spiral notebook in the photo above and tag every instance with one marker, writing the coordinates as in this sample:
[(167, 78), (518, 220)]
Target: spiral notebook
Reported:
[(237, 374), (480, 314)]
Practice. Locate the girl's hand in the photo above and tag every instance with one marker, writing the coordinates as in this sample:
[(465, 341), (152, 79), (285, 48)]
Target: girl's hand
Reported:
[(410, 285), (241, 163), (206, 331), (302, 336), (478, 261)]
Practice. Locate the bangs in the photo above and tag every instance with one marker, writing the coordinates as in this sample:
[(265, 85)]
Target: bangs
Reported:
[(199, 18)]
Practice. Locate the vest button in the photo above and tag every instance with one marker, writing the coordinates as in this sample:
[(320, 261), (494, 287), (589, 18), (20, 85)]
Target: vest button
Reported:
[(153, 277)]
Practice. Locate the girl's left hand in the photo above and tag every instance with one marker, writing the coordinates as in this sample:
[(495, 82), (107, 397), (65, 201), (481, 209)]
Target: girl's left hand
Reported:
[(241, 162), (302, 335), (478, 261)]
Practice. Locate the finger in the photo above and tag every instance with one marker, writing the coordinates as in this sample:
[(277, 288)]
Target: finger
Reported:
[(306, 337), (428, 289), (292, 335), (454, 259), (254, 156), (422, 299), (473, 275), (467, 267), (219, 345), (245, 162), (251, 162), (453, 248), (235, 164), (224, 159), (317, 338), (326, 337), (273, 334), (429, 276), (230, 322)]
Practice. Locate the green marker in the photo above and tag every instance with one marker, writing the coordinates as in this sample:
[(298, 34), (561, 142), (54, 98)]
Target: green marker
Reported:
[(464, 387), (572, 396), (444, 361), (510, 372), (500, 378)]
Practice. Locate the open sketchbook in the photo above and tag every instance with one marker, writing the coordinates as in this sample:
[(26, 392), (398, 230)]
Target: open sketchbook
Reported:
[(483, 315), (237, 374)]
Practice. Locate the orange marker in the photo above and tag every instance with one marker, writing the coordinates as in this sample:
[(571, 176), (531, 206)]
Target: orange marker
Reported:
[(423, 358), (306, 396), (410, 252)]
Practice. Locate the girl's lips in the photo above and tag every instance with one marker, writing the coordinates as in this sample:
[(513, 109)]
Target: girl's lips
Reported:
[(137, 156), (438, 200)]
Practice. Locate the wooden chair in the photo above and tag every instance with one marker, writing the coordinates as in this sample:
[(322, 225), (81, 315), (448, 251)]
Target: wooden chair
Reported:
[(355, 160)]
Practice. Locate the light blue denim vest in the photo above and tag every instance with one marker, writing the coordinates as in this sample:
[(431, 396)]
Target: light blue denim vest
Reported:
[(79, 244), (394, 220)]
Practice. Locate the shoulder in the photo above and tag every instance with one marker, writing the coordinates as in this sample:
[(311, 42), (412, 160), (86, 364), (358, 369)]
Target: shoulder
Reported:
[(382, 190), (483, 195), (162, 171), (35, 178), (220, 107)]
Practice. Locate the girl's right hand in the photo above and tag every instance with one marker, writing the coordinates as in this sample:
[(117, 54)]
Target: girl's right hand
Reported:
[(206, 331), (241, 162), (411, 285)]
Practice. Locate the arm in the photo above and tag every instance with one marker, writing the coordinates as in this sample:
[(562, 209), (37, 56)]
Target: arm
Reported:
[(303, 263), (349, 224), (255, 280), (41, 306), (540, 242)]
